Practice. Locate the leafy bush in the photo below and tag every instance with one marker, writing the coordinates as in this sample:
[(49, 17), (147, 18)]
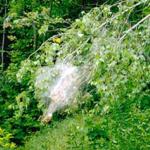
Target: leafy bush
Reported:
[(5, 140), (104, 42)]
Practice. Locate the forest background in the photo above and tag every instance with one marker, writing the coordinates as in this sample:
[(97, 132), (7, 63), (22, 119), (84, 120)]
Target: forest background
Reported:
[(121, 122)]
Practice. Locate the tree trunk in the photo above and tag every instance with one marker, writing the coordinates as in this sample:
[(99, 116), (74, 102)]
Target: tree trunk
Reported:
[(4, 36)]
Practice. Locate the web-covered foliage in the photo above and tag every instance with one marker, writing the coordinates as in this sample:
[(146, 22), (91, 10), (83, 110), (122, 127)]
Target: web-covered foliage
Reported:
[(114, 50)]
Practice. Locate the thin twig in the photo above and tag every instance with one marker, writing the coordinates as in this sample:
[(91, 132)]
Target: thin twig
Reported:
[(133, 27), (49, 39), (34, 36)]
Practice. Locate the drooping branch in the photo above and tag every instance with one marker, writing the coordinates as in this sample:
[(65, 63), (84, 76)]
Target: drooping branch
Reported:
[(96, 29)]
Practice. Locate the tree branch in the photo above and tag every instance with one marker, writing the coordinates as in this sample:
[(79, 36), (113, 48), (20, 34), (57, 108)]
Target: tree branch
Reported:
[(133, 27)]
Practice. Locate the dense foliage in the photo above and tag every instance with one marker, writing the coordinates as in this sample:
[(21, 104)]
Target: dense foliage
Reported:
[(111, 39)]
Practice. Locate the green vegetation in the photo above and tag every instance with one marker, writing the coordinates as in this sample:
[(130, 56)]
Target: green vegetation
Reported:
[(124, 127), (112, 38)]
